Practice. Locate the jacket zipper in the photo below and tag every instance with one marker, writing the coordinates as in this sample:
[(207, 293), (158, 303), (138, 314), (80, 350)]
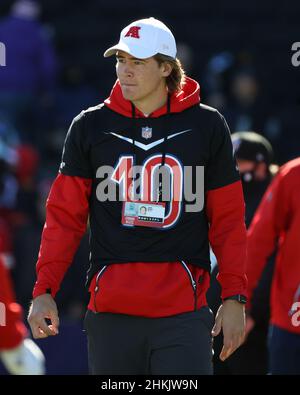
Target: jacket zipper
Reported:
[(193, 282), (97, 285)]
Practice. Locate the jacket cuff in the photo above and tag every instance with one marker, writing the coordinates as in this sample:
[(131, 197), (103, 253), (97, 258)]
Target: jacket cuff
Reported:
[(232, 284), (40, 289)]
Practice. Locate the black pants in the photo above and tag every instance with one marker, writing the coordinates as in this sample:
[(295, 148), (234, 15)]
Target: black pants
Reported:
[(123, 344), (284, 352)]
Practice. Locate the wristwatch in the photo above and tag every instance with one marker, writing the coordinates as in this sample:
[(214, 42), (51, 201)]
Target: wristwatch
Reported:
[(239, 298)]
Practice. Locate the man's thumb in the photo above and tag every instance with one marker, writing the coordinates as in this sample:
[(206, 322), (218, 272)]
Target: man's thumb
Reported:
[(54, 321), (217, 327)]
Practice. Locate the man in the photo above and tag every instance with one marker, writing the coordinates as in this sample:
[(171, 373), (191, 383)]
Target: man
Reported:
[(276, 224), (143, 210), (254, 156), (148, 279)]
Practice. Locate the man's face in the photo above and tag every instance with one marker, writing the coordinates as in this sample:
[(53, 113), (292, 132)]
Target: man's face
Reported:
[(139, 78), (247, 166), (143, 210)]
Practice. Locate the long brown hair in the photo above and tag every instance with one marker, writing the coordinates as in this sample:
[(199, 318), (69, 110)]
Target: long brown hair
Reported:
[(176, 79)]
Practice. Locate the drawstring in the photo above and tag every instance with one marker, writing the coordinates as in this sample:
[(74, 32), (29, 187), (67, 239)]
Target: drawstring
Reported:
[(134, 127), (164, 146), (165, 139), (134, 136), (164, 149)]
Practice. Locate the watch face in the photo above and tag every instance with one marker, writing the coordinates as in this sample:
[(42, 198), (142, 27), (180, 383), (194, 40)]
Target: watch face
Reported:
[(239, 298), (242, 299)]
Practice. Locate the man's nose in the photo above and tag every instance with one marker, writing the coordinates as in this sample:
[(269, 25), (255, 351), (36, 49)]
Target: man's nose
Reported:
[(128, 70)]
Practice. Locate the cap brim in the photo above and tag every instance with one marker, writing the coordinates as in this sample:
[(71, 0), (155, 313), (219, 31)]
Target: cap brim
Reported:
[(140, 54)]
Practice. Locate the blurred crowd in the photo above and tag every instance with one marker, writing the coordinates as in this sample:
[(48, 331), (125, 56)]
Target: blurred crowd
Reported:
[(40, 93)]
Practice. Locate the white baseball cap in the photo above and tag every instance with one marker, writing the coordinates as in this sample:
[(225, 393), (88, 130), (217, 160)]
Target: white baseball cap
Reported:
[(145, 38)]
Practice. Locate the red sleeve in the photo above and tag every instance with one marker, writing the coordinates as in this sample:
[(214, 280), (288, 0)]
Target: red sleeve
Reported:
[(67, 210), (12, 328), (225, 209), (268, 222)]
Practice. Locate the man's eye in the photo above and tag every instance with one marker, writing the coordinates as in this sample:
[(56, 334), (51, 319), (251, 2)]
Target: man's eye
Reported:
[(137, 62), (120, 60)]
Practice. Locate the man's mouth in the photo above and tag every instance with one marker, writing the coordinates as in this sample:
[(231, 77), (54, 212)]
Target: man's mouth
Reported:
[(126, 84)]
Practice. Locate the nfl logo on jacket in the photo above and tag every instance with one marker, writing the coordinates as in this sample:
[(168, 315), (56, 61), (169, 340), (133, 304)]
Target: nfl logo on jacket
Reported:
[(147, 132)]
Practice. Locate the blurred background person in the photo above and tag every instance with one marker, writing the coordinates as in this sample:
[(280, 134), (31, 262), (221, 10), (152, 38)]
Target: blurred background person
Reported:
[(29, 77), (19, 354), (238, 87), (254, 156), (276, 224)]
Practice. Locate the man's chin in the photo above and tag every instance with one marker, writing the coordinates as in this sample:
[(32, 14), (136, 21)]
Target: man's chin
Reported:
[(128, 95)]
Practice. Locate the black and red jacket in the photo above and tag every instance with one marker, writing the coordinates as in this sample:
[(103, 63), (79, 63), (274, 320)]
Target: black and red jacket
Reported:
[(146, 271)]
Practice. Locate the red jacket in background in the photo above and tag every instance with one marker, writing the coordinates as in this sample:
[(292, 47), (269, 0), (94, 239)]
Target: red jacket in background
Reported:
[(277, 223), (14, 330)]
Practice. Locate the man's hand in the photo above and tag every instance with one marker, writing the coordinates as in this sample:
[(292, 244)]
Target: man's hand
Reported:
[(43, 307), (231, 319)]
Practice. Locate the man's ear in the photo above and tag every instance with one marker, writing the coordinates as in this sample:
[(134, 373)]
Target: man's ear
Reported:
[(166, 69)]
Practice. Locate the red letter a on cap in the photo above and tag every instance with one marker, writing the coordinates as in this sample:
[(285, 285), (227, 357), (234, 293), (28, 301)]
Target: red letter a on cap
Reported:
[(133, 32)]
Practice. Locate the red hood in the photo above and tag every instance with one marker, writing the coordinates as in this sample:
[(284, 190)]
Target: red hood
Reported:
[(187, 97)]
